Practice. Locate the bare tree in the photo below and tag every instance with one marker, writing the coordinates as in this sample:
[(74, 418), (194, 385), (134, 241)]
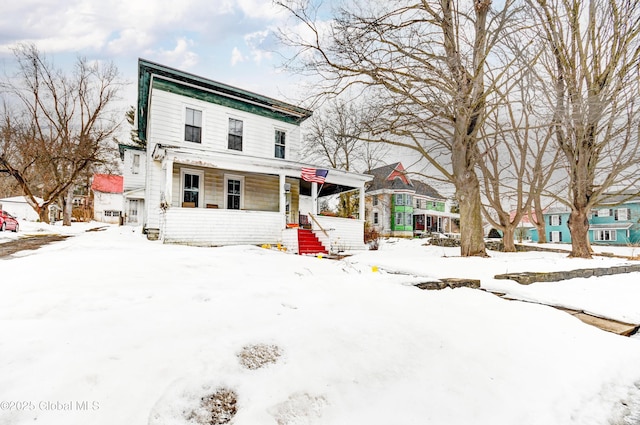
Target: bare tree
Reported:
[(425, 62), (517, 156), (594, 51), (335, 135), (57, 126)]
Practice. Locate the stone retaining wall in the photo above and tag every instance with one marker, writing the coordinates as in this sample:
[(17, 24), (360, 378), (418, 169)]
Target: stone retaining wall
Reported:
[(526, 278)]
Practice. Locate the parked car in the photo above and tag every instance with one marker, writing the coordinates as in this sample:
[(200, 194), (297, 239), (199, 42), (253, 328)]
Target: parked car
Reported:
[(8, 222)]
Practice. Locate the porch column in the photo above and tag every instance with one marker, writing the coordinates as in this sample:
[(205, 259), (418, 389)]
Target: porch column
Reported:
[(314, 197), (168, 180), (361, 203), (283, 195)]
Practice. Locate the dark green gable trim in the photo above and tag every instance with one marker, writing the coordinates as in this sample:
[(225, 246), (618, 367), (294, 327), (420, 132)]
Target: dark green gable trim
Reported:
[(180, 82), (197, 93)]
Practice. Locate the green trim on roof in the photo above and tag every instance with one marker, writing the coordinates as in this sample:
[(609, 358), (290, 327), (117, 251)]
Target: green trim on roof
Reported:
[(180, 82), (197, 93)]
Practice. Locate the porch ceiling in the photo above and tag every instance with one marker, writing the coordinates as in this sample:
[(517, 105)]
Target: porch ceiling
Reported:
[(252, 164)]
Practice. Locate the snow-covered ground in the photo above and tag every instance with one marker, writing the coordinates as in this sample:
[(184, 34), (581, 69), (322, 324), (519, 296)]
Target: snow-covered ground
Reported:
[(109, 328)]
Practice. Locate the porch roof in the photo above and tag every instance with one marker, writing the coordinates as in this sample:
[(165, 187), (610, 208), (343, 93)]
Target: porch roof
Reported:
[(420, 211), (610, 226), (252, 164)]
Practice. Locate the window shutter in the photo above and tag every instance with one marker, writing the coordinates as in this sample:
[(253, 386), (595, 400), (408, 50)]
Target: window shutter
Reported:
[(550, 221), (559, 220), (616, 215), (560, 235)]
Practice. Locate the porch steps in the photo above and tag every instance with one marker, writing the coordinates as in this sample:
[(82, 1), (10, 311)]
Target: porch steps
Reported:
[(308, 243)]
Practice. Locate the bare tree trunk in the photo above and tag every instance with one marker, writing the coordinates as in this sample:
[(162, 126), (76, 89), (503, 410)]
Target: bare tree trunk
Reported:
[(67, 207), (43, 214), (471, 231), (508, 239), (538, 219), (579, 228)]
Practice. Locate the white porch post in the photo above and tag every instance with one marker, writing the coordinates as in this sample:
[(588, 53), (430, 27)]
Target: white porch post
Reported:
[(168, 180), (361, 203), (314, 197), (283, 195)]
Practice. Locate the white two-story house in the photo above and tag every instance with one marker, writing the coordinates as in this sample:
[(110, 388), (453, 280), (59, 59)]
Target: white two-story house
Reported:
[(223, 166)]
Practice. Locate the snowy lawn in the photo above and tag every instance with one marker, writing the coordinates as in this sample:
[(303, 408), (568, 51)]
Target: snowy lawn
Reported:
[(109, 328)]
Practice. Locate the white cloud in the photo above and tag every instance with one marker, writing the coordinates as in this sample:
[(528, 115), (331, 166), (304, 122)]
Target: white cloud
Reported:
[(236, 56), (181, 56)]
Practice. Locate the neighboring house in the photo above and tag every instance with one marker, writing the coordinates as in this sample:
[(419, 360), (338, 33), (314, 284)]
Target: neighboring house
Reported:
[(18, 207), (107, 198), (134, 176), (616, 223), (555, 220), (224, 167), (399, 207)]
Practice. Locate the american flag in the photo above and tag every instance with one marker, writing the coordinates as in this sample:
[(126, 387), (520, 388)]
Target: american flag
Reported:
[(314, 175)]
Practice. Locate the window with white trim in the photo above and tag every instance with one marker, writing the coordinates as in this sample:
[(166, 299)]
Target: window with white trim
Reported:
[(375, 218), (233, 192), (193, 126), (111, 213), (555, 236), (135, 164), (235, 134), (375, 200), (280, 139), (399, 219), (604, 213), (555, 220), (622, 214), (192, 183), (605, 235)]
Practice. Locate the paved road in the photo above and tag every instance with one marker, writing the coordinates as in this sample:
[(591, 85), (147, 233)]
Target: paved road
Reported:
[(29, 242)]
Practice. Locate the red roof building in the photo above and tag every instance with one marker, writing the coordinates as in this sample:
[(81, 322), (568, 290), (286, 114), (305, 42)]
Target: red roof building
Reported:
[(107, 183)]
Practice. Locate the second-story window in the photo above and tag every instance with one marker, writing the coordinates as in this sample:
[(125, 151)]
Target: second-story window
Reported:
[(235, 134), (193, 126), (135, 165), (280, 143)]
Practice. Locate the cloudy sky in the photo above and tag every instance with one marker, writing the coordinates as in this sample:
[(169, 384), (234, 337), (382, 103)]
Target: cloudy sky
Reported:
[(230, 41)]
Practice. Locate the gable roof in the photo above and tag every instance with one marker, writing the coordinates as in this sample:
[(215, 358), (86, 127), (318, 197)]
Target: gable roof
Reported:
[(180, 82), (394, 177), (107, 183)]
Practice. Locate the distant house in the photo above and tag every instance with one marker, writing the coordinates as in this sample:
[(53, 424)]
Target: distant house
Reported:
[(107, 198), (616, 223), (18, 207), (134, 176), (556, 226), (397, 206), (224, 166)]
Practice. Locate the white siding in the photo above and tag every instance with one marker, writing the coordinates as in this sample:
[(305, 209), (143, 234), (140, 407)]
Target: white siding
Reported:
[(166, 118), (345, 234), (131, 180), (107, 202), (211, 227)]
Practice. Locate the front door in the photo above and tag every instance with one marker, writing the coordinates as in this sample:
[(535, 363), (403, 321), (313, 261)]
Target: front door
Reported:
[(132, 214)]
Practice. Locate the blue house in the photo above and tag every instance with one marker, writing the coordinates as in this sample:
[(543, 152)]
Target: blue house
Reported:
[(555, 220), (615, 223)]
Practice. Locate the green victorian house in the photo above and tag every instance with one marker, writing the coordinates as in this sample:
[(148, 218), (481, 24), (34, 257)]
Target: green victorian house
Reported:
[(397, 206)]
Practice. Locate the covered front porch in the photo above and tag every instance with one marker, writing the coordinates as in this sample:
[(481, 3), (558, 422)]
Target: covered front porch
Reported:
[(249, 201)]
